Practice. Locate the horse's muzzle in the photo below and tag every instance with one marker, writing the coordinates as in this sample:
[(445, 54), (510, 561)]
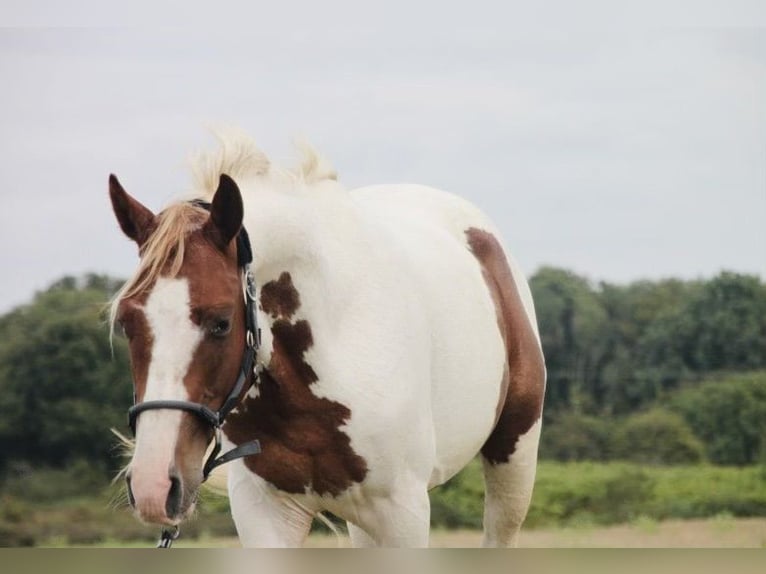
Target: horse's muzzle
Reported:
[(156, 500)]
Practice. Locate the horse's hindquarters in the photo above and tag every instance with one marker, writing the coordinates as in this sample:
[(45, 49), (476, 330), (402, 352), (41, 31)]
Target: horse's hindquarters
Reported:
[(466, 303)]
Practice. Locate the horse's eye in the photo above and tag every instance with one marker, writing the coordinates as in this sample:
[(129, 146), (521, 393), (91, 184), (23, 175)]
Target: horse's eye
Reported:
[(220, 328)]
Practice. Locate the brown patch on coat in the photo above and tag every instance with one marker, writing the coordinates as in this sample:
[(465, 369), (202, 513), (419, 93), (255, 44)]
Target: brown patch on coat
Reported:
[(215, 293), (280, 298), (131, 318), (523, 383), (216, 362), (301, 441)]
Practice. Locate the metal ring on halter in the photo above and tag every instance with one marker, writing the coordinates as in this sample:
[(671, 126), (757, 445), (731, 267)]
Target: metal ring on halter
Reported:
[(249, 283)]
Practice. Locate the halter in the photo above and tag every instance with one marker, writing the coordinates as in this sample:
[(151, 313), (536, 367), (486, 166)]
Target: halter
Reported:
[(213, 418)]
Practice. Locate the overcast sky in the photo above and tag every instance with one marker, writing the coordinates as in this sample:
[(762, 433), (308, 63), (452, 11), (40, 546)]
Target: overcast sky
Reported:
[(619, 154)]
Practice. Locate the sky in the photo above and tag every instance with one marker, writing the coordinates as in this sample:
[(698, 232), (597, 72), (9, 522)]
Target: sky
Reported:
[(621, 153)]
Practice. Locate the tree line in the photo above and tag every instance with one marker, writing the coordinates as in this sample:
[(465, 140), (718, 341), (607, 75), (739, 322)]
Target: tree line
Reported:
[(654, 371), (61, 386)]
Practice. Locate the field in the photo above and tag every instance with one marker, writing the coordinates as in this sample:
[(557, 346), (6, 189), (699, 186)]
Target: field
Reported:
[(574, 505), (718, 532), (721, 532)]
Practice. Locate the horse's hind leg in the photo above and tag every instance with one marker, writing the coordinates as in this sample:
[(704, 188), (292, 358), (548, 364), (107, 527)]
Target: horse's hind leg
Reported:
[(509, 490), (510, 453)]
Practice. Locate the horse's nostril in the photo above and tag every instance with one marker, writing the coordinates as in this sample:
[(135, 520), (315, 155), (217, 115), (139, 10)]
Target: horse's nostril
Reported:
[(173, 503), (131, 498)]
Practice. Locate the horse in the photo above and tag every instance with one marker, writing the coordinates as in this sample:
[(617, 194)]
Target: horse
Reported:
[(350, 349)]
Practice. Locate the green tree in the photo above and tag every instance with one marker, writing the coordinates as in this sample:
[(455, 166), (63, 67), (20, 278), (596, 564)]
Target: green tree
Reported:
[(719, 325), (727, 326), (641, 358), (656, 436), (617, 349), (729, 415), (60, 387), (572, 326), (574, 437)]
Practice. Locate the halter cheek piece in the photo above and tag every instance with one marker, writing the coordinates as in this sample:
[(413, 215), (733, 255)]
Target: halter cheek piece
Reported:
[(252, 342)]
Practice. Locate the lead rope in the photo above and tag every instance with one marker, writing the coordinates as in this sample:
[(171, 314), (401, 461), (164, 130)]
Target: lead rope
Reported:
[(167, 536)]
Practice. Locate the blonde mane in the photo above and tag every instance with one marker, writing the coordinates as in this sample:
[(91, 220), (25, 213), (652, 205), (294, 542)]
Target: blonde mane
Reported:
[(240, 158), (314, 168), (237, 156)]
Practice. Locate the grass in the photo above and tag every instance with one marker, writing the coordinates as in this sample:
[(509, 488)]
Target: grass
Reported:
[(581, 498), (718, 532)]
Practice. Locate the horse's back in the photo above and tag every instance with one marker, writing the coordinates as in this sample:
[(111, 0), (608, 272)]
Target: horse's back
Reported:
[(427, 207), (433, 231)]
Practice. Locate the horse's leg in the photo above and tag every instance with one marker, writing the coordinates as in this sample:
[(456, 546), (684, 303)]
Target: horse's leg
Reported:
[(359, 538), (509, 490), (400, 520), (264, 517)]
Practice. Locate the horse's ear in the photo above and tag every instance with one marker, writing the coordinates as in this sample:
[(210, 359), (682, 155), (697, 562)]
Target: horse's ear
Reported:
[(136, 221), (225, 213)]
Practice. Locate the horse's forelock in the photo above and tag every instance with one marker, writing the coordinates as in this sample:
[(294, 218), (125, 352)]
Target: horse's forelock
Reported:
[(163, 253)]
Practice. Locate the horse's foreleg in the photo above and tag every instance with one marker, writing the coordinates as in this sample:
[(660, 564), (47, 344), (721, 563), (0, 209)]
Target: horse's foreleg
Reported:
[(399, 520), (264, 517), (360, 538)]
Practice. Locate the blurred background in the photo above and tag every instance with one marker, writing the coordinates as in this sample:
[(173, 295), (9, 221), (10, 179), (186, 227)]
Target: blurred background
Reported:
[(625, 166)]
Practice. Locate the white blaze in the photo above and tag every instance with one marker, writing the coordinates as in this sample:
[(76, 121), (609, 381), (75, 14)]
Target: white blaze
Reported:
[(175, 339)]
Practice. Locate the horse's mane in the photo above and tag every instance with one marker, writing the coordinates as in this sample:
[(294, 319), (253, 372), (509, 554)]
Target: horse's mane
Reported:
[(240, 158)]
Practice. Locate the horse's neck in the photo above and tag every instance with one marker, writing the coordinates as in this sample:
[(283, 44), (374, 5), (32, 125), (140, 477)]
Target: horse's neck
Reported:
[(307, 237)]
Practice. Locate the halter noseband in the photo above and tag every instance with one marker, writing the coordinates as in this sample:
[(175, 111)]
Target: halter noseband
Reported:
[(252, 343)]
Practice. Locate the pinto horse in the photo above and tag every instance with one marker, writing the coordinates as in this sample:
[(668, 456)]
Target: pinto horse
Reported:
[(395, 340)]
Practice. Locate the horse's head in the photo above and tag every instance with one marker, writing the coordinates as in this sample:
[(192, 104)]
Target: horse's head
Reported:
[(184, 318)]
